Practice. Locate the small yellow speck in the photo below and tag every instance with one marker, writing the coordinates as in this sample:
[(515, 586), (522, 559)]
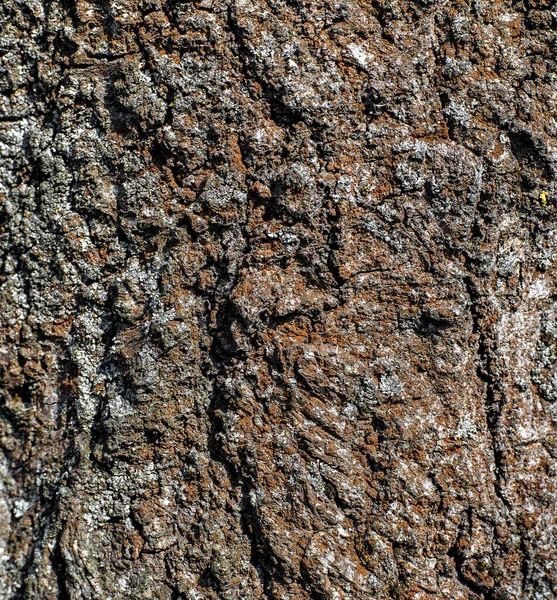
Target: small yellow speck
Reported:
[(543, 198)]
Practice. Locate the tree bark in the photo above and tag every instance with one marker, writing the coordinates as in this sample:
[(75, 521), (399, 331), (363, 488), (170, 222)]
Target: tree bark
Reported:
[(278, 311)]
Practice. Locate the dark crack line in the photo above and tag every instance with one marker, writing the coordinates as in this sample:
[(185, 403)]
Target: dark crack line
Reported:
[(485, 373)]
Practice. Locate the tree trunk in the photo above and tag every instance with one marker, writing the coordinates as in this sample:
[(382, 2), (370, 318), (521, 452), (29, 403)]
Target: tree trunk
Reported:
[(278, 312)]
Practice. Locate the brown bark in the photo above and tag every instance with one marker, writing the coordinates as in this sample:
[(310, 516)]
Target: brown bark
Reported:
[(277, 299)]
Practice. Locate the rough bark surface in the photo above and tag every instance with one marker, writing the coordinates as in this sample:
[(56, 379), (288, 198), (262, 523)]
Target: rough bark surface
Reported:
[(278, 299)]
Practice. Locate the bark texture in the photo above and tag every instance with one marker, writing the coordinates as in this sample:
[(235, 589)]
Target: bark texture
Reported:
[(278, 303)]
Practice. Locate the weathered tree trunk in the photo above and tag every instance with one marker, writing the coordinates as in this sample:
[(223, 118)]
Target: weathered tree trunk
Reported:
[(278, 299)]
